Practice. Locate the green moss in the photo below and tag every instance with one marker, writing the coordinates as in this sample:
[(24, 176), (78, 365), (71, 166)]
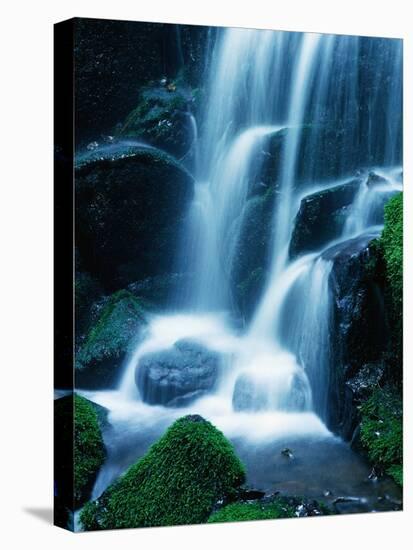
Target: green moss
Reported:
[(251, 512), (392, 243), (382, 431), (99, 330), (391, 247), (177, 482), (114, 332), (89, 450)]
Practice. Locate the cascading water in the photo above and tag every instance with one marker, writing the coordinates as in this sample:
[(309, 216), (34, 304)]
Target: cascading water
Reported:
[(299, 88), (239, 119)]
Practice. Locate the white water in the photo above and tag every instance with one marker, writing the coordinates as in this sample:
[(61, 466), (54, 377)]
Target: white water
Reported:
[(275, 374), (217, 215)]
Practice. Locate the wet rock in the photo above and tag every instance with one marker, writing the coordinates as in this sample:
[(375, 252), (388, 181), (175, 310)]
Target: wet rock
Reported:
[(117, 323), (247, 494), (131, 202), (321, 217), (367, 378), (357, 307), (248, 271), (374, 179), (177, 376), (350, 505)]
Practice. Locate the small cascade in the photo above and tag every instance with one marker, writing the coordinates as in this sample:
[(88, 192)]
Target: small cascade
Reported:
[(216, 217), (306, 328)]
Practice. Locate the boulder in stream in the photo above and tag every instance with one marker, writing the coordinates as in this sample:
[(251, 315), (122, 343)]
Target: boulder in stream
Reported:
[(177, 376)]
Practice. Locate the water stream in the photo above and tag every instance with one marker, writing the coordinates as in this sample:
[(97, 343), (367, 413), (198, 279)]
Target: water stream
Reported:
[(273, 384)]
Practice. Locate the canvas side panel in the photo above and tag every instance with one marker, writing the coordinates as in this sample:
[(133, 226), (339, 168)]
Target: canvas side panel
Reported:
[(63, 274)]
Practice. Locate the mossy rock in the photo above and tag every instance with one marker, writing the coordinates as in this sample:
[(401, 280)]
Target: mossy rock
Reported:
[(89, 450), (381, 431), (177, 482), (161, 118), (251, 512), (80, 450), (118, 327)]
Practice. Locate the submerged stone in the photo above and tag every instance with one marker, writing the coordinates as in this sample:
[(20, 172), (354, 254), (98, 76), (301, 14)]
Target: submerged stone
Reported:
[(288, 391)]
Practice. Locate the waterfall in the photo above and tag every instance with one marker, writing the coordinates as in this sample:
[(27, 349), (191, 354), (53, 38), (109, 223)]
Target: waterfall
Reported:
[(217, 214), (308, 91)]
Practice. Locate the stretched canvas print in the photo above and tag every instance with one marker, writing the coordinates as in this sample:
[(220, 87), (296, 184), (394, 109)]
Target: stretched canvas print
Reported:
[(228, 214)]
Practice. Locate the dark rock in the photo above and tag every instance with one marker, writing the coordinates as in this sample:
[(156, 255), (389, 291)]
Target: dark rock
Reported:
[(350, 505), (287, 453), (130, 204), (161, 118), (249, 268), (321, 217), (357, 348), (375, 179), (194, 418), (250, 494), (177, 376)]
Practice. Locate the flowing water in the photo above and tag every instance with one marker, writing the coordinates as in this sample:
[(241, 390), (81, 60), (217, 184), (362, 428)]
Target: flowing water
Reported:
[(272, 389)]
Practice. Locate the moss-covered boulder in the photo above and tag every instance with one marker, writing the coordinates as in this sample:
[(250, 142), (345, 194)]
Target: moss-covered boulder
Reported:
[(131, 203), (80, 450), (117, 327), (381, 431), (177, 482), (251, 512)]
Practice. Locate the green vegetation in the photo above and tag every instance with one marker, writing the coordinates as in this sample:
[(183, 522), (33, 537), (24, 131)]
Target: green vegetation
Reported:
[(392, 244), (89, 451), (382, 431), (177, 482), (114, 333), (251, 512)]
